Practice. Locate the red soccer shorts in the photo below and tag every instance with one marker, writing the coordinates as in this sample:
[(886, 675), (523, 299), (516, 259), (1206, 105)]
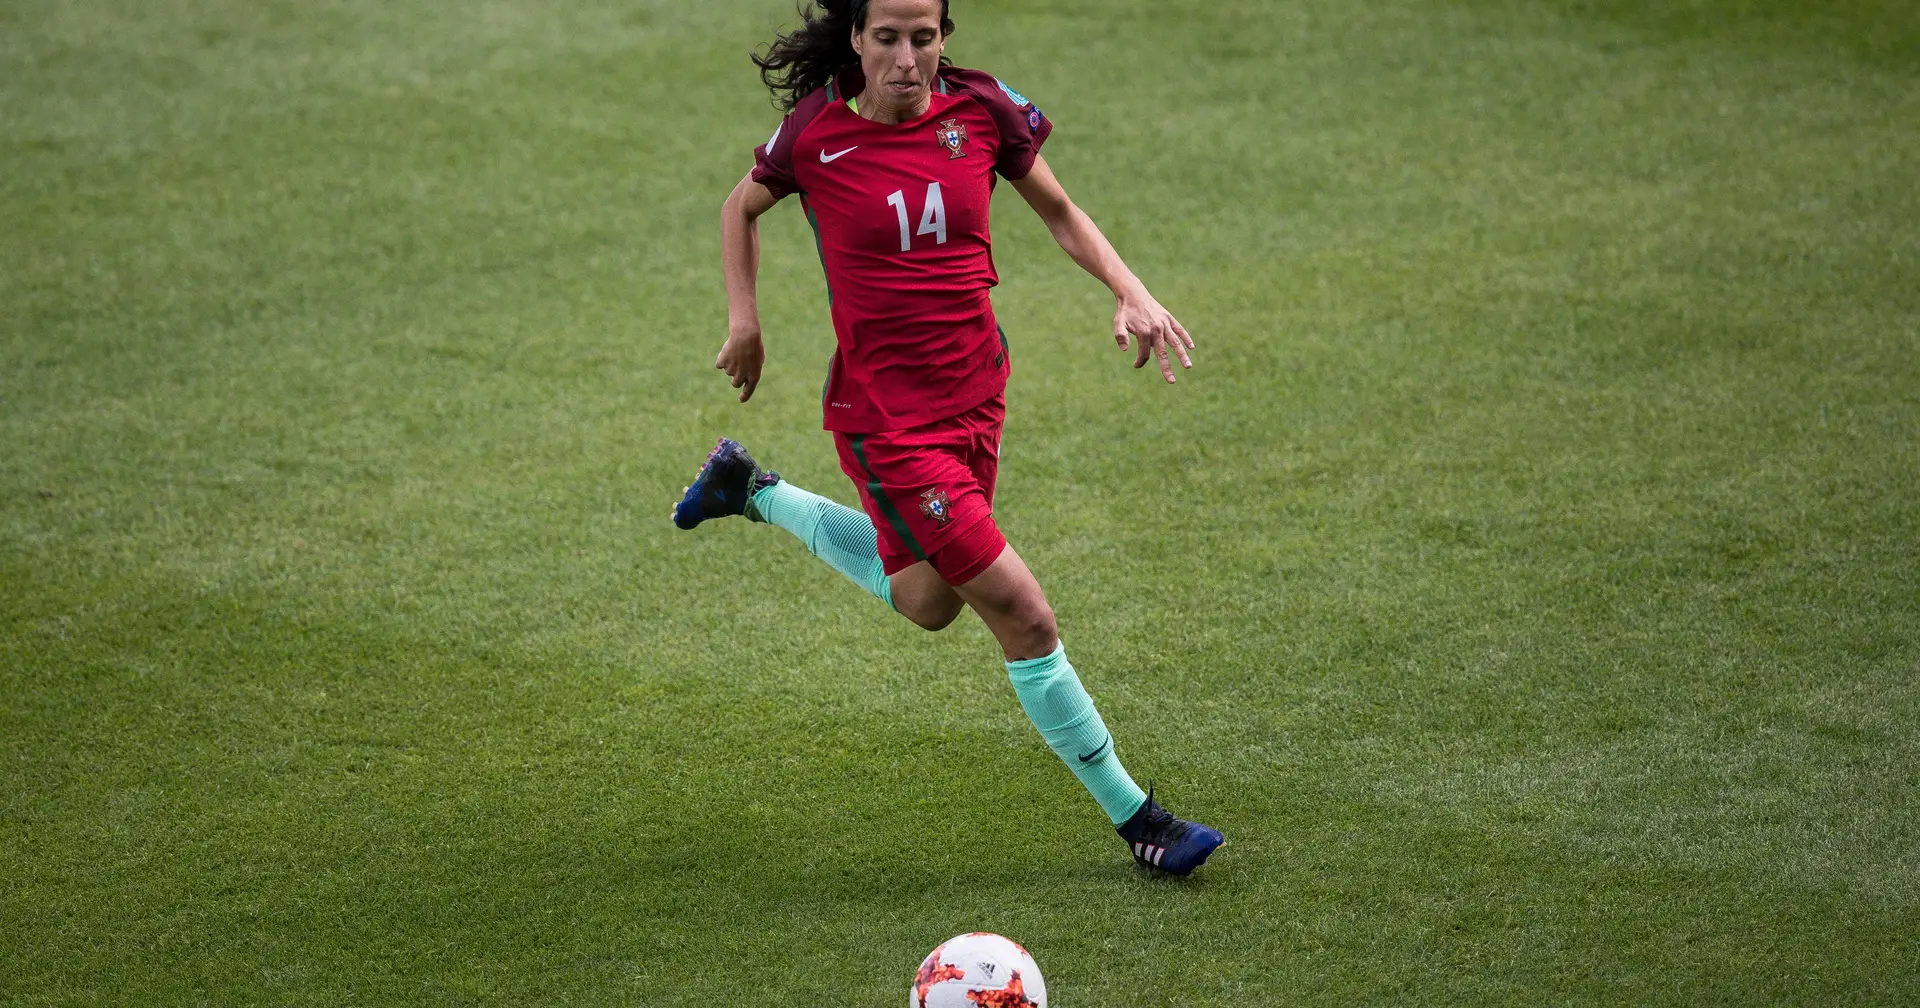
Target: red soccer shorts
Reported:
[(929, 490)]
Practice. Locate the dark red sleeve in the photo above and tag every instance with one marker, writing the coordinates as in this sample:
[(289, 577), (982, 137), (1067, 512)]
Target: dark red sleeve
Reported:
[(1023, 128), (773, 160)]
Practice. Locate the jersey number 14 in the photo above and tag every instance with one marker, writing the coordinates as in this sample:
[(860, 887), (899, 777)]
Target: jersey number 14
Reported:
[(933, 221)]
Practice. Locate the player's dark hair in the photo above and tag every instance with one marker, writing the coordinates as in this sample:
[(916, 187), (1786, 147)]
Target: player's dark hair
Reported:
[(806, 58)]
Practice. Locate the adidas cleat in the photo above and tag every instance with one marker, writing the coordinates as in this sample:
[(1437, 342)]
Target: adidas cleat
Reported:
[(1164, 841), (725, 486)]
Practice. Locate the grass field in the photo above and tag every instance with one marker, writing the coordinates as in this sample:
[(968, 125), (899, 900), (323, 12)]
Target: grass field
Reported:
[(1527, 580)]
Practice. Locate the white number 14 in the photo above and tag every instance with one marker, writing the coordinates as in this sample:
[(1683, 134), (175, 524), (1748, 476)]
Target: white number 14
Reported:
[(933, 222)]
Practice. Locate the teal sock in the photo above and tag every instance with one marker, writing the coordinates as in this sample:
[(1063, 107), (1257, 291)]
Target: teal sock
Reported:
[(838, 534), (1059, 706)]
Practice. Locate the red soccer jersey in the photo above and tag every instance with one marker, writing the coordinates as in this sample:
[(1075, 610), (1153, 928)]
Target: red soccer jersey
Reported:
[(900, 212)]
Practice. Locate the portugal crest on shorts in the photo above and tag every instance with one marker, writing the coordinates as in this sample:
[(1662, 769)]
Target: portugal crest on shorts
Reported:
[(935, 505), (953, 136)]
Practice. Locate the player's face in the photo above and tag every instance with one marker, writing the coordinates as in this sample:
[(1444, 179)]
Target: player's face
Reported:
[(900, 50)]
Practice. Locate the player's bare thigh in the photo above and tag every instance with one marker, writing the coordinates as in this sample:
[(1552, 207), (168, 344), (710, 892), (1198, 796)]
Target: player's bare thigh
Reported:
[(1006, 595), (1009, 600)]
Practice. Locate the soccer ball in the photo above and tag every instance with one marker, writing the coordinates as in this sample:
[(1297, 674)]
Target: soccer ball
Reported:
[(978, 970)]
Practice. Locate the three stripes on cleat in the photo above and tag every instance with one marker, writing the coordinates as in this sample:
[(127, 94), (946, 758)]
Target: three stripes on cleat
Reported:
[(1149, 853)]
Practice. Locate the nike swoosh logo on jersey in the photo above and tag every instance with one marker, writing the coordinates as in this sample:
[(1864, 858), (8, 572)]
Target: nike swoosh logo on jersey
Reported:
[(826, 158), (1088, 758)]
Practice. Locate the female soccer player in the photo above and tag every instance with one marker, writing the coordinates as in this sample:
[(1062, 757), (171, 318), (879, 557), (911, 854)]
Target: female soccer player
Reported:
[(894, 154)]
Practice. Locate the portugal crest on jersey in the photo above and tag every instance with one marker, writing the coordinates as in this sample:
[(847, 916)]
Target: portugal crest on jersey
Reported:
[(935, 505), (953, 136)]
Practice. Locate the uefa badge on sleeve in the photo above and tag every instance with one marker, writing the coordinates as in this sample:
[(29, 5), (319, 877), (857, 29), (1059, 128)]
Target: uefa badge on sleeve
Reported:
[(953, 136), (935, 505)]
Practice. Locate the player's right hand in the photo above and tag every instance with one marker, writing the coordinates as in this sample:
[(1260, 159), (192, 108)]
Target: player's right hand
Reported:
[(741, 358)]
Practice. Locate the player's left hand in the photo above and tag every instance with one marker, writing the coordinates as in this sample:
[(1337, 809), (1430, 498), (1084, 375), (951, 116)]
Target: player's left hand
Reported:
[(1153, 330)]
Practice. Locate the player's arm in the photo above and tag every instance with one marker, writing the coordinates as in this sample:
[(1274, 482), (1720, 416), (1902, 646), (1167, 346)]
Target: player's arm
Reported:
[(1154, 329), (742, 356)]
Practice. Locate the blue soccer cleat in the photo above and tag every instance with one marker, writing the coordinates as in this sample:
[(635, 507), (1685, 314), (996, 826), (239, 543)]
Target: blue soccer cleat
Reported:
[(1167, 842), (725, 486)]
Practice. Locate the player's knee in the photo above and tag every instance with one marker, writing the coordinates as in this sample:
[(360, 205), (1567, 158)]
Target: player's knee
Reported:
[(1037, 628)]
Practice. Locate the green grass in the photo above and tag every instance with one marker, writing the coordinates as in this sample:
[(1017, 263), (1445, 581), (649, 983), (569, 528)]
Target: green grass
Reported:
[(1527, 581)]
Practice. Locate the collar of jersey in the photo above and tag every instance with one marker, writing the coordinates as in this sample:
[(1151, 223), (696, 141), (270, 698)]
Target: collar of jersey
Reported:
[(844, 84), (936, 107)]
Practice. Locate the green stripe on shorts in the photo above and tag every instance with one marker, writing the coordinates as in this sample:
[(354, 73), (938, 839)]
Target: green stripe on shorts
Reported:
[(886, 506)]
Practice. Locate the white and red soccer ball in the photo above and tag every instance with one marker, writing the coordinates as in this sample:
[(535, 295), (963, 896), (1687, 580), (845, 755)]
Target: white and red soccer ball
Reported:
[(978, 970)]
